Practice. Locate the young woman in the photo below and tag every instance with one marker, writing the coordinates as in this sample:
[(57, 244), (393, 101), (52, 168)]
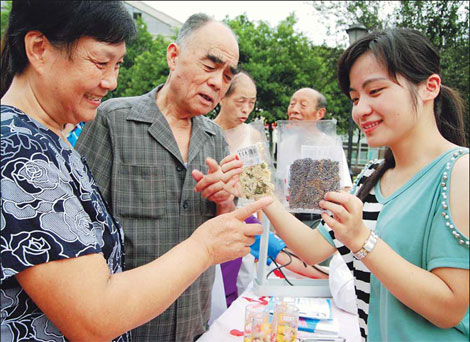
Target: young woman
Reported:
[(62, 256), (405, 233)]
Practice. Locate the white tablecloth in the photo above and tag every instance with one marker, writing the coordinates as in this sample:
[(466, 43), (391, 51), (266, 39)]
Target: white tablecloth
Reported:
[(234, 316)]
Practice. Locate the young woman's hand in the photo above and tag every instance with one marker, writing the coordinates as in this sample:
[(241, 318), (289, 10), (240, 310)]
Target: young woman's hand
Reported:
[(347, 219)]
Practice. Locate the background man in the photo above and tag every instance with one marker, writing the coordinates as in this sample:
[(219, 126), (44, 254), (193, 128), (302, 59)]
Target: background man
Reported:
[(141, 150), (307, 104)]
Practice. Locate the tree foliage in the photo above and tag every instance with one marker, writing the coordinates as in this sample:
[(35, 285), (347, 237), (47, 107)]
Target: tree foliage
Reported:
[(279, 59), (144, 65), (4, 16), (448, 29), (282, 61)]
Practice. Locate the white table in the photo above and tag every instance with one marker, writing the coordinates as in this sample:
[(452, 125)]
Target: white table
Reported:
[(234, 316)]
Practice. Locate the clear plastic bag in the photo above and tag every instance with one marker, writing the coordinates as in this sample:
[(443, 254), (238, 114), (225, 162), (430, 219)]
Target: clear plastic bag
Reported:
[(309, 164), (249, 142)]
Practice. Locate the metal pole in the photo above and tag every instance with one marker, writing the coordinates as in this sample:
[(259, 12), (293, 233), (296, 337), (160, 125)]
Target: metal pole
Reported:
[(354, 32), (350, 136)]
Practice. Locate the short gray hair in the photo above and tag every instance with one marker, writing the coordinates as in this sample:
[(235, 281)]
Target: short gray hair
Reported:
[(235, 78), (193, 23), (321, 101)]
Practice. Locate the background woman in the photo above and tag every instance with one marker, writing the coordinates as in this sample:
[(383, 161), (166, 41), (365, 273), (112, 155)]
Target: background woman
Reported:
[(61, 251), (405, 235)]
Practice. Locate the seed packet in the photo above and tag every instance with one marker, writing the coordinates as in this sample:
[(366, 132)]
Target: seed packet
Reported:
[(309, 180), (309, 164), (256, 178), (249, 142)]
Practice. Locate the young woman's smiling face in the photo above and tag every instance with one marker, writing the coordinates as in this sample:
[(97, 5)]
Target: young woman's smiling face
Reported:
[(382, 107)]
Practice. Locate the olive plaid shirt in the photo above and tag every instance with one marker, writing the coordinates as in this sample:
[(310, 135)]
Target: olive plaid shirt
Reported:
[(136, 162)]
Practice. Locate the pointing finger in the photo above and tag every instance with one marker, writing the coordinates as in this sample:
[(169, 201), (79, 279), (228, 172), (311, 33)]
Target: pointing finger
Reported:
[(245, 212)]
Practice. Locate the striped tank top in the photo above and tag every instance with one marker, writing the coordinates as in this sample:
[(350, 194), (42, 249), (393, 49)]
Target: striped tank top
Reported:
[(360, 272)]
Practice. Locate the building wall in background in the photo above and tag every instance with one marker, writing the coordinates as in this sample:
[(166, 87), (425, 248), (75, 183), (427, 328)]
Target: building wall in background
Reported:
[(158, 23)]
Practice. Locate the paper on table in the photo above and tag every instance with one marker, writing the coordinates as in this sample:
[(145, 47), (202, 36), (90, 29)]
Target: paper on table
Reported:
[(319, 326), (319, 308), (309, 307)]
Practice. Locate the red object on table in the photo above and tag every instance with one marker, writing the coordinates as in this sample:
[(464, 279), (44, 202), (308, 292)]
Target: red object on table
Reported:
[(236, 332), (261, 300)]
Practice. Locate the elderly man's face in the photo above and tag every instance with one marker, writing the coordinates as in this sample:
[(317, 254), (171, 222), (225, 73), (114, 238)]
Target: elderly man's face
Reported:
[(202, 68), (303, 106), (237, 107)]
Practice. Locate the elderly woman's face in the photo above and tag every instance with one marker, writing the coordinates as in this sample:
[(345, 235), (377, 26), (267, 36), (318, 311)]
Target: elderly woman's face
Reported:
[(74, 87)]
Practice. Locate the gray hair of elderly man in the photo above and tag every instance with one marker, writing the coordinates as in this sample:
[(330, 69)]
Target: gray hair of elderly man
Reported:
[(192, 24), (321, 101)]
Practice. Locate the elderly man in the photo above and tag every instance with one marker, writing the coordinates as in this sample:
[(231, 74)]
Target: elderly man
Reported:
[(310, 104), (307, 104), (142, 150)]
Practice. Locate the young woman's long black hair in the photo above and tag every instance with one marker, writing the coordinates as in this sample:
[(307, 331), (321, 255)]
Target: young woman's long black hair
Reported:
[(63, 23), (408, 53)]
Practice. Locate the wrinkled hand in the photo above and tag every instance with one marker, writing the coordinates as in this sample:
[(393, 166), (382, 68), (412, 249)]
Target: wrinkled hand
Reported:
[(347, 218), (220, 183), (230, 164), (227, 237)]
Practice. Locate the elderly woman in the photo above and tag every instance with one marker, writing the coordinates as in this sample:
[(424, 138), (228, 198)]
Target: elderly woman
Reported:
[(62, 255)]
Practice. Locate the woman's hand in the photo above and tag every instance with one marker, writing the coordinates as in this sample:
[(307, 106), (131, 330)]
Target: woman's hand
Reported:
[(77, 301), (347, 219), (227, 237)]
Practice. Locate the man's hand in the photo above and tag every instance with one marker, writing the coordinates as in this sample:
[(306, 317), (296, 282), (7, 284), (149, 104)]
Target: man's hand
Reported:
[(227, 237), (230, 164), (221, 182)]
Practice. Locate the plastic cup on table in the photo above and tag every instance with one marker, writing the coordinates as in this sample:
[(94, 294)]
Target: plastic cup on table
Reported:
[(285, 301), (257, 324), (285, 323)]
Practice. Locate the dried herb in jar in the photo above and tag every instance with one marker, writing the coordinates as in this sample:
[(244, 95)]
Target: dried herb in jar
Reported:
[(310, 180)]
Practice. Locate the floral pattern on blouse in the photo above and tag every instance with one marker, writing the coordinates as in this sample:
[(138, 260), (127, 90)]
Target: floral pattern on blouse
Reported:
[(51, 210)]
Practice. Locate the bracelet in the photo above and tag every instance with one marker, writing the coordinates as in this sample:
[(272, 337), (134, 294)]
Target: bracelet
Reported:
[(367, 247)]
